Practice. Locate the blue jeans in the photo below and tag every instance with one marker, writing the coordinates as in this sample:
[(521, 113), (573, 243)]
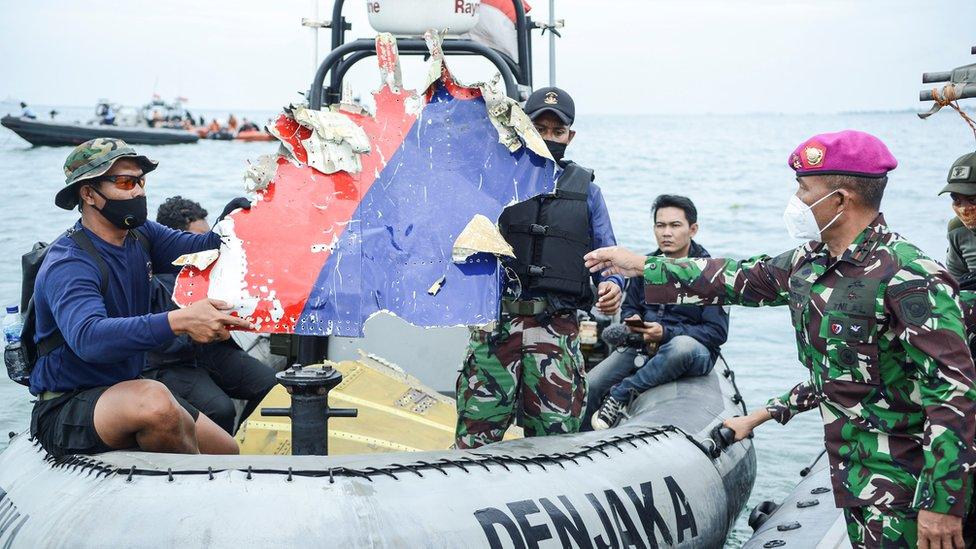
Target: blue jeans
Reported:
[(682, 356)]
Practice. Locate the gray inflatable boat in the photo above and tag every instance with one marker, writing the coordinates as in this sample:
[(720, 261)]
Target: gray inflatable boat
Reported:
[(664, 477), (806, 519)]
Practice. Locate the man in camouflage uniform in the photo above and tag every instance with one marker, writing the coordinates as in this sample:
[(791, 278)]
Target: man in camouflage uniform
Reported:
[(529, 368), (961, 254), (961, 186), (879, 327)]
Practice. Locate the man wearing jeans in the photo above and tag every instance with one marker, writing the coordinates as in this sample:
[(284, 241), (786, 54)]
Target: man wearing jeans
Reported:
[(680, 340)]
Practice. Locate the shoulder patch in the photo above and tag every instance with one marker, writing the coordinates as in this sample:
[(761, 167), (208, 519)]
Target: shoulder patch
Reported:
[(915, 307)]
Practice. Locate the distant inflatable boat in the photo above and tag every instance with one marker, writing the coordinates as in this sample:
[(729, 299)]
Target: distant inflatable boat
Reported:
[(54, 134), (254, 135), (664, 477)]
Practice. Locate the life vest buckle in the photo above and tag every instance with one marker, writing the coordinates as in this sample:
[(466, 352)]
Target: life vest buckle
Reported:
[(538, 230)]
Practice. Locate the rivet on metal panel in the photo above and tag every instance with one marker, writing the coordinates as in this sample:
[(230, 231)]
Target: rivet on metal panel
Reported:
[(787, 526)]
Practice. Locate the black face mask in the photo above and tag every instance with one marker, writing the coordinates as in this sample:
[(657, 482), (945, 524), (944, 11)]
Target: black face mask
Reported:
[(124, 214), (557, 150)]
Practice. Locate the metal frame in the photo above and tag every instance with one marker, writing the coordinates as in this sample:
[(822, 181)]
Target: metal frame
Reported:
[(337, 64), (344, 55)]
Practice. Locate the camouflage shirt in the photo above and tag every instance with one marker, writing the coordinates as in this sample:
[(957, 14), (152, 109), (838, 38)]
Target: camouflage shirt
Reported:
[(881, 333)]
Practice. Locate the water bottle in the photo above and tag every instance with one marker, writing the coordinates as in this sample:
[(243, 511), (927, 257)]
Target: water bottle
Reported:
[(12, 325), (14, 356)]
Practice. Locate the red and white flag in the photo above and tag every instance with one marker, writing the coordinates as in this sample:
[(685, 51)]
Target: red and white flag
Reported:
[(496, 26)]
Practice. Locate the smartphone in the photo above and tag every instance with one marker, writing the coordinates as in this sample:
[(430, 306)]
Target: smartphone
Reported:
[(634, 322)]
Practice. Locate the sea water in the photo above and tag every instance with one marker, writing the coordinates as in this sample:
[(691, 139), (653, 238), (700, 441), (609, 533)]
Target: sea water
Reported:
[(733, 167)]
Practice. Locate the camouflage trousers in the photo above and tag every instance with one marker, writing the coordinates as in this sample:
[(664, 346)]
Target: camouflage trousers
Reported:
[(526, 372), (871, 527)]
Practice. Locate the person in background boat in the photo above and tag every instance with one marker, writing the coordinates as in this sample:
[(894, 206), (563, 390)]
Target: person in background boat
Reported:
[(232, 123), (94, 326), (530, 368), (681, 340), (247, 125), (207, 375), (27, 112), (961, 186), (108, 117), (880, 329), (214, 127), (961, 255), (187, 121), (53, 113)]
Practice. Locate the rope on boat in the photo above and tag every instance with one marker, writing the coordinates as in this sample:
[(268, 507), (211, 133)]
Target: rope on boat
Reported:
[(462, 464), (948, 96)]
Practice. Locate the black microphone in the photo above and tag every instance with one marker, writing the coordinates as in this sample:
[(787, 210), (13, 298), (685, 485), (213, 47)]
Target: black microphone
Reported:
[(616, 335)]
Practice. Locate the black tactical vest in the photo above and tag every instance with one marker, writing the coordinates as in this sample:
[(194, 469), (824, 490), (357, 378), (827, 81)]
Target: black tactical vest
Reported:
[(550, 235)]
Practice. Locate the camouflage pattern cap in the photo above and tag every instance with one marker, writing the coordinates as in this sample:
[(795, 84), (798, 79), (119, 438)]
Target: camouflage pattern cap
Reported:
[(92, 159), (962, 176)]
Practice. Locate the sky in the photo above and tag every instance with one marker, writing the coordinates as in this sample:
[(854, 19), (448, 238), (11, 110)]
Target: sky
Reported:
[(615, 57)]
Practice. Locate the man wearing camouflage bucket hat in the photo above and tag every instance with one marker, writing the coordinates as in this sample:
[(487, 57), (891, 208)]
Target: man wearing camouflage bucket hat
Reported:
[(93, 321), (879, 328), (961, 186)]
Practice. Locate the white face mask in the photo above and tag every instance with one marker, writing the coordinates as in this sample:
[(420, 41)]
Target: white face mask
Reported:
[(801, 223)]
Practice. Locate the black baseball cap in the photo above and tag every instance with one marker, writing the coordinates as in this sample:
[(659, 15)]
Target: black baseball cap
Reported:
[(962, 176), (552, 100)]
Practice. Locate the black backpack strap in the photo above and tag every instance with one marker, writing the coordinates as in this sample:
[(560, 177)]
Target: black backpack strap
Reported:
[(141, 239), (50, 343), (84, 242)]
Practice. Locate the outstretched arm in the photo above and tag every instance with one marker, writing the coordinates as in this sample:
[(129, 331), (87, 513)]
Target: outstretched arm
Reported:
[(753, 282), (799, 399)]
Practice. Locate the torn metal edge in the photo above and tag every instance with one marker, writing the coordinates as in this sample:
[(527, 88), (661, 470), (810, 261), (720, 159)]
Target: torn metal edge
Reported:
[(513, 125), (480, 235), (336, 143)]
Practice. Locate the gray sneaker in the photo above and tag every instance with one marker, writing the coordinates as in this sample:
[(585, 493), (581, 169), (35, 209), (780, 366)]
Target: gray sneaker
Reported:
[(608, 415)]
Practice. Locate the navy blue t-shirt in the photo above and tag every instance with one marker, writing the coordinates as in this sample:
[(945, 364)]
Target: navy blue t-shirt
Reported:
[(106, 336)]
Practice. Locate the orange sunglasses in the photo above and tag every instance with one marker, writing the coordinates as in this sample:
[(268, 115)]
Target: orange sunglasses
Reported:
[(125, 182)]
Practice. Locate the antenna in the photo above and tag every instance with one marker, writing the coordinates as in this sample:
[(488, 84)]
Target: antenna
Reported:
[(552, 43), (314, 23), (551, 26)]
